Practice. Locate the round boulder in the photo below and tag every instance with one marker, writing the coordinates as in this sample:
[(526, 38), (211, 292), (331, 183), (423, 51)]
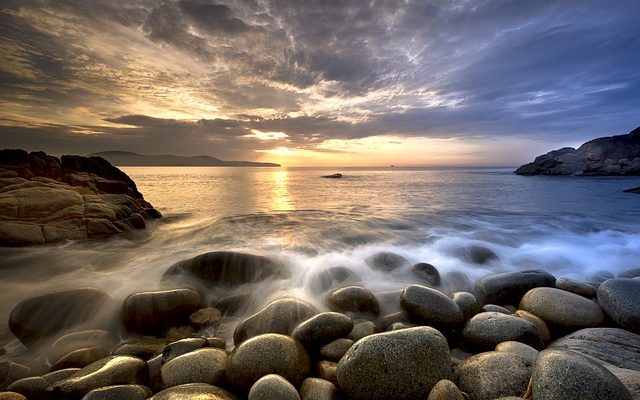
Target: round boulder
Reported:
[(620, 299), (353, 299), (386, 261), (321, 329), (467, 303), (279, 316), (199, 366), (486, 330), (271, 387), (402, 364), (194, 391), (183, 346), (580, 288), (267, 354), (562, 309), (565, 375), (487, 376), (509, 287), (426, 273), (431, 307)]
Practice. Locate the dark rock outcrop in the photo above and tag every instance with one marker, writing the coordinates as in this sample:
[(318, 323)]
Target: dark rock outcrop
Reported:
[(612, 155), (44, 199)]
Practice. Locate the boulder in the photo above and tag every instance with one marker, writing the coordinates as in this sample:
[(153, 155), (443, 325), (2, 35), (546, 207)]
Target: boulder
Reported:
[(42, 316), (487, 376), (580, 288), (620, 299), (509, 287), (267, 354), (353, 299), (612, 155), (565, 375), (321, 329), (486, 330), (279, 316), (562, 309), (431, 307), (206, 365), (115, 370), (402, 364), (426, 273), (225, 268), (445, 390), (119, 392), (271, 387), (152, 313), (44, 200), (386, 261), (194, 391), (318, 389)]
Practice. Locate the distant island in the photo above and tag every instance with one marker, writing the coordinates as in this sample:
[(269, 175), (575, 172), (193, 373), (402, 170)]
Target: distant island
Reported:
[(127, 158)]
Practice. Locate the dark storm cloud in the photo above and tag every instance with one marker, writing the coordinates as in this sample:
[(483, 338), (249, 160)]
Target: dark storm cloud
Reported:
[(192, 74)]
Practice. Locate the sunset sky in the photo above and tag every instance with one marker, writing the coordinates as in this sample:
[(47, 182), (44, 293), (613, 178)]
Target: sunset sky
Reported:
[(453, 82)]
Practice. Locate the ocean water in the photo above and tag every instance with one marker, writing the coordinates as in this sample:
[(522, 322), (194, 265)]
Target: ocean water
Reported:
[(568, 226)]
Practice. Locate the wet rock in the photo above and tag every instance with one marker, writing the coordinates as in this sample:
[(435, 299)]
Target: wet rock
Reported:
[(204, 317), (562, 309), (233, 304), (318, 389), (620, 299), (361, 328), (331, 278), (34, 388), (144, 348), (629, 273), (543, 329), (225, 268), (426, 273), (334, 176), (456, 281), (56, 376), (400, 325), (217, 342), (321, 329), (80, 340), (194, 391), (495, 308), (598, 277), (445, 390), (11, 396), (336, 349), (467, 303), (609, 345), (176, 333), (273, 387), (11, 371), (354, 299), (386, 261), (395, 365), (488, 329), (199, 366), (509, 287), (560, 375), (180, 347), (431, 307), (327, 370), (490, 375), (476, 254), (267, 354), (527, 352), (115, 370), (80, 358), (399, 317), (154, 312), (119, 392), (280, 316), (580, 288), (39, 317)]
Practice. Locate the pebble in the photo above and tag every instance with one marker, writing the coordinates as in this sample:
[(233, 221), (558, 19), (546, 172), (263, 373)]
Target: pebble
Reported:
[(205, 365), (321, 329), (431, 307), (493, 374), (318, 389), (336, 349), (354, 299), (271, 387), (562, 309), (488, 329)]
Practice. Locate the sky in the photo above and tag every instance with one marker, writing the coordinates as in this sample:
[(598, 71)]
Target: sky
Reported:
[(326, 82)]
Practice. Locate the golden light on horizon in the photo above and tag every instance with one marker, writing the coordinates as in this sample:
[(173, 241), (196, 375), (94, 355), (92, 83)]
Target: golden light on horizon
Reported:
[(266, 135)]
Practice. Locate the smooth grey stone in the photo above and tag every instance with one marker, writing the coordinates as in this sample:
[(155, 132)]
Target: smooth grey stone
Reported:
[(580, 288), (476, 254), (509, 287), (205, 365), (620, 299), (629, 273), (80, 358), (144, 347), (490, 375), (525, 351), (488, 329), (467, 303), (80, 340), (318, 389), (327, 370), (562, 309), (180, 347), (495, 308), (426, 273), (565, 375), (394, 365), (271, 387), (321, 329), (353, 299), (362, 328), (200, 391), (56, 376), (431, 307), (386, 261), (445, 390), (336, 349), (119, 392), (456, 281), (279, 316)]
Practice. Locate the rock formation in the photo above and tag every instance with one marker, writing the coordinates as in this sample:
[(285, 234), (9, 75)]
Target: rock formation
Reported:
[(612, 155), (44, 199)]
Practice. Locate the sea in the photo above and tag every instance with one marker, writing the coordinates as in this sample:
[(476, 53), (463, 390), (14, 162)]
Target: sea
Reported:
[(569, 226)]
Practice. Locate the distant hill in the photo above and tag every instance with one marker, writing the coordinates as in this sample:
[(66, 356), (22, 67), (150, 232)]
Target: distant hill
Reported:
[(126, 158)]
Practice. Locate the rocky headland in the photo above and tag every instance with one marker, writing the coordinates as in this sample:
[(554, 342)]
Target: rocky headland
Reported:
[(44, 199), (606, 156), (201, 333)]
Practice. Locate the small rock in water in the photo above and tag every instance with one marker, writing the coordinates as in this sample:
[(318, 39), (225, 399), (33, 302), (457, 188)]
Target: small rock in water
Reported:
[(362, 328), (199, 366), (194, 391), (321, 329), (580, 288), (476, 254), (509, 287), (401, 364), (267, 354), (280, 316), (338, 175), (629, 273), (620, 299), (445, 390), (487, 376), (204, 317), (271, 387), (144, 347), (335, 350), (427, 273), (562, 309), (565, 375), (318, 389), (467, 303), (353, 299), (332, 277), (119, 392), (431, 307), (386, 261), (486, 330)]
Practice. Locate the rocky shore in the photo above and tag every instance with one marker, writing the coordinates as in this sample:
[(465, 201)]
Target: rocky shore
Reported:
[(44, 199), (606, 156), (205, 335)]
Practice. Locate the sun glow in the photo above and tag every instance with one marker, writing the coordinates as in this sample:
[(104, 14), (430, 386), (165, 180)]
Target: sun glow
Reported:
[(266, 135)]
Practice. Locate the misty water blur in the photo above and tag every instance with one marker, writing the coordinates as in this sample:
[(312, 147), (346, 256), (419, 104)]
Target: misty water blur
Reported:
[(569, 226)]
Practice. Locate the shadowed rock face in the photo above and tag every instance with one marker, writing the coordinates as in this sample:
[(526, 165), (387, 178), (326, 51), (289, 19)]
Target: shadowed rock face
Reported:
[(612, 155), (47, 200)]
